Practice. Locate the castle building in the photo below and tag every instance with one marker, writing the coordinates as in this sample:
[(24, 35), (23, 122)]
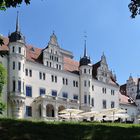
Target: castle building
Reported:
[(131, 89), (42, 82)]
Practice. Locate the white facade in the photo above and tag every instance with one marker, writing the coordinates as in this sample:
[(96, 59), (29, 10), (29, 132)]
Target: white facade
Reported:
[(41, 82)]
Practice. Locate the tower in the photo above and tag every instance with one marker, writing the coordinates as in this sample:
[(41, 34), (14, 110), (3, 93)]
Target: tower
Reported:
[(85, 69), (138, 97), (17, 56)]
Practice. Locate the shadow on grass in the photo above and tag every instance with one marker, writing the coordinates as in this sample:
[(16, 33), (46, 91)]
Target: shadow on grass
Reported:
[(27, 130)]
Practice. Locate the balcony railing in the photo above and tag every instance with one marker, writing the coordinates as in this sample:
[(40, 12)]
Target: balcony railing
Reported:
[(59, 99)]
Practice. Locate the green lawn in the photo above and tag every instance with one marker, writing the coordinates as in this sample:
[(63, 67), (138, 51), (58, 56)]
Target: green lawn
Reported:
[(28, 130)]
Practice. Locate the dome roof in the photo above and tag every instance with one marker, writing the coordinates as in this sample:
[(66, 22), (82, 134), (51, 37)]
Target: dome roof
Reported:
[(138, 96), (16, 36), (85, 61)]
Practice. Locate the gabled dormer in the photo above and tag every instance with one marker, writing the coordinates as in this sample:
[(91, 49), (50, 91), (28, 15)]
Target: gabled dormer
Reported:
[(103, 73), (52, 56)]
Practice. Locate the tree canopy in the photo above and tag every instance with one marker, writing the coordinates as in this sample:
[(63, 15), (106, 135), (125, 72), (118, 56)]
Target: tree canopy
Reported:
[(4, 4), (134, 8), (2, 77), (2, 82)]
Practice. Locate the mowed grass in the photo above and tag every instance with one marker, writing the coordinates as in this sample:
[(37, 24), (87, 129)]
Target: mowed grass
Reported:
[(32, 130)]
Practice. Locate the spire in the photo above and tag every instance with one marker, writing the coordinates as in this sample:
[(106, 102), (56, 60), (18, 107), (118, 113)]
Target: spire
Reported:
[(17, 23), (103, 58), (85, 47)]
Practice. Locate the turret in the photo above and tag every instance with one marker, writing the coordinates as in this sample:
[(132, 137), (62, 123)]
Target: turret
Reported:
[(17, 56), (85, 69)]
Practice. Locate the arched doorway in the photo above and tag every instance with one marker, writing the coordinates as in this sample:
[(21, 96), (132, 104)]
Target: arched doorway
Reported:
[(50, 110), (60, 108)]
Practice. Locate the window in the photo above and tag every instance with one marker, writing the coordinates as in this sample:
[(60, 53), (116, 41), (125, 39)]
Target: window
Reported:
[(14, 65), (112, 92), (63, 81), (84, 70), (60, 67), (92, 101), (13, 49), (19, 86), (28, 111), (44, 76), (89, 71), (89, 83), (52, 78), (54, 93), (112, 104), (55, 79), (19, 66), (85, 83), (85, 99), (19, 49), (89, 99), (65, 95), (42, 91), (29, 91), (47, 64), (30, 73), (74, 83), (66, 81), (75, 97), (26, 72), (104, 90), (40, 75), (14, 85), (92, 87), (104, 104)]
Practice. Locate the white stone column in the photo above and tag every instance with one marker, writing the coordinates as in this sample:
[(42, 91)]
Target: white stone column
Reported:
[(43, 111), (56, 112)]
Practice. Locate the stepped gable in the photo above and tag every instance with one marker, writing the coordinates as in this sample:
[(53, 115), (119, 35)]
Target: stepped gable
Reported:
[(94, 73)]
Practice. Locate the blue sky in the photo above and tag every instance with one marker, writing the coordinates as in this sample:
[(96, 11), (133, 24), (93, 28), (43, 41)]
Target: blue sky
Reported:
[(108, 25)]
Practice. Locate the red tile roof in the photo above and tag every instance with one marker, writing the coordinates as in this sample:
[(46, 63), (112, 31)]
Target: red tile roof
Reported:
[(126, 100), (70, 64), (32, 53), (4, 47), (35, 55)]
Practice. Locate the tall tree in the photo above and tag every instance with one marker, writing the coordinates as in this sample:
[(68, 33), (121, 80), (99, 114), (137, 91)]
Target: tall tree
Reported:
[(2, 82), (134, 8)]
